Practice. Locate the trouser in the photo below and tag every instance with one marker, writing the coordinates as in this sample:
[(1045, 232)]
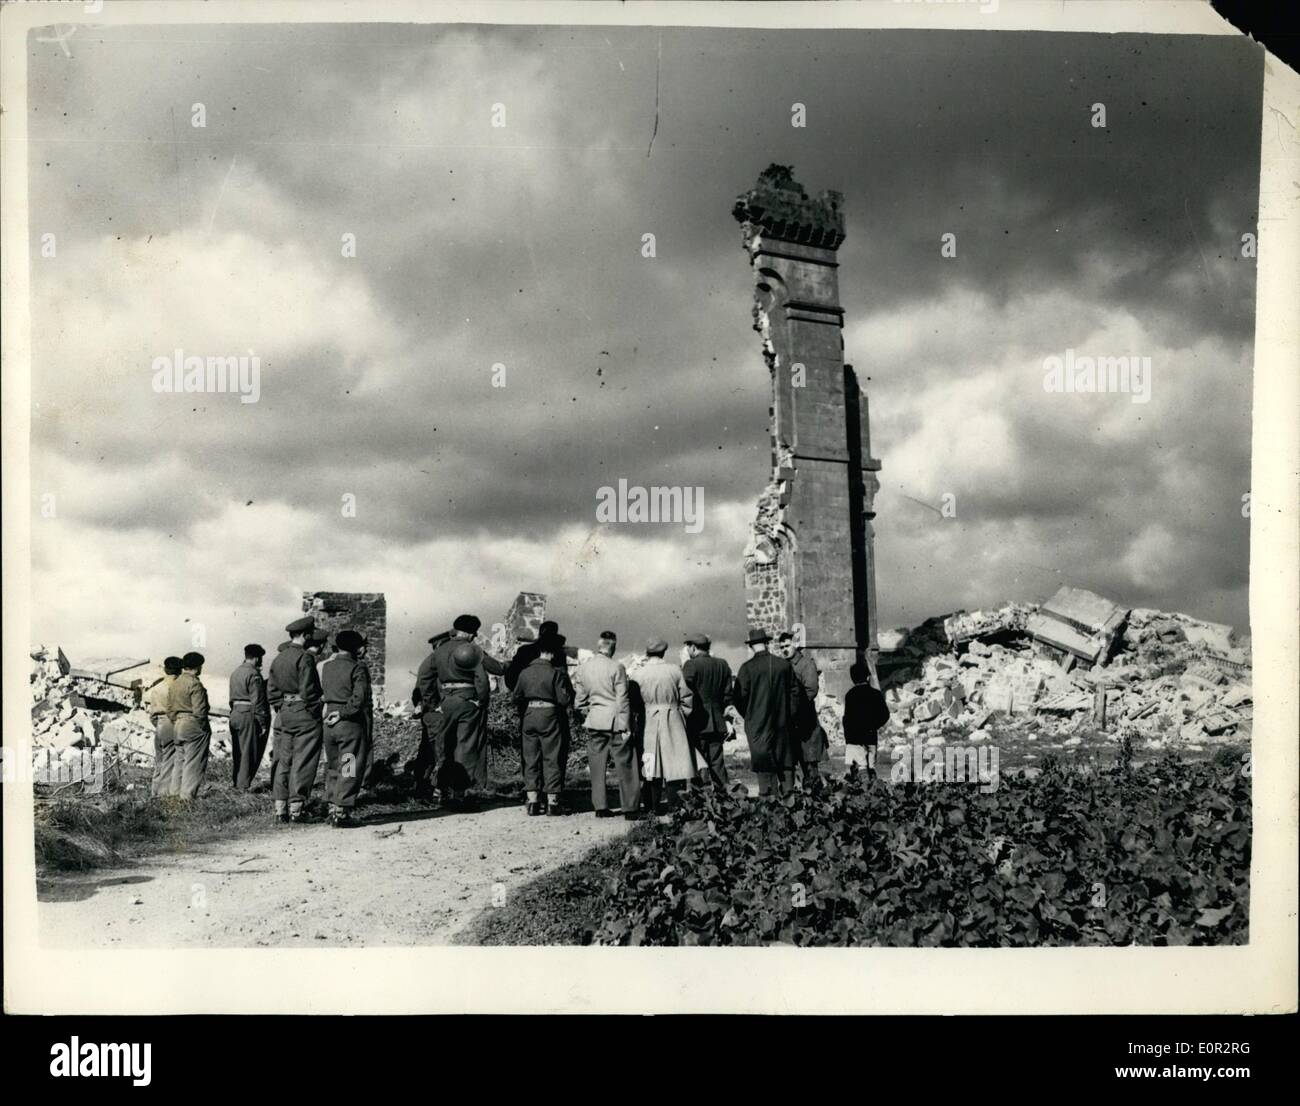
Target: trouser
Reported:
[(458, 737), (768, 781), (602, 747), (193, 739), (562, 717), (709, 748), (297, 753), (367, 750), (345, 747), (543, 742), (164, 755), (811, 773), (247, 744), (426, 760)]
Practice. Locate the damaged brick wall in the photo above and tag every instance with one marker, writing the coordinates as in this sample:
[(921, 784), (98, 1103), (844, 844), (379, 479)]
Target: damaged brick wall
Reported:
[(364, 611)]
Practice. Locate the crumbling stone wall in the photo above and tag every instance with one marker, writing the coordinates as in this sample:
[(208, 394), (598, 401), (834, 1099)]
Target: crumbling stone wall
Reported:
[(521, 623), (810, 560), (364, 611)]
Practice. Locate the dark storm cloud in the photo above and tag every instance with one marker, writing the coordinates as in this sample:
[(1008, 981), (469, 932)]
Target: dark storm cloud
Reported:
[(522, 246)]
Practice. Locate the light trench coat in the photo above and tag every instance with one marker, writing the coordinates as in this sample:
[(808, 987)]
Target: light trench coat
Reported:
[(666, 751)]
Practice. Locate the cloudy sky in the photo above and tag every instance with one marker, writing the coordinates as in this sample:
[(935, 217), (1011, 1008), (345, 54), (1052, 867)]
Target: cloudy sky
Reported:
[(521, 246)]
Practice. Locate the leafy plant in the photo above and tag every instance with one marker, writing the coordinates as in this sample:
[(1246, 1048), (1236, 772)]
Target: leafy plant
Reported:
[(1156, 855)]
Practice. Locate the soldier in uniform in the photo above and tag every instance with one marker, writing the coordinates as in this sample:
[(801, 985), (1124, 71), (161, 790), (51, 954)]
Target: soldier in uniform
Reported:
[(345, 692), (187, 707), (425, 697), (250, 718), (458, 664), (164, 739), (524, 656), (541, 693), (807, 726), (710, 680), (294, 691)]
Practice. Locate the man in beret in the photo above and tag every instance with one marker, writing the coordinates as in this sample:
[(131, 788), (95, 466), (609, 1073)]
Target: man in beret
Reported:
[(765, 695), (710, 680), (250, 718), (541, 693), (187, 707), (295, 693), (601, 695), (462, 746), (345, 692), (667, 760), (808, 730), (154, 702)]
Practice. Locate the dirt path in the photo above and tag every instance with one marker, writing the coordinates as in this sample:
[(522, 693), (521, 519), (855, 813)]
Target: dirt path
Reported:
[(412, 880)]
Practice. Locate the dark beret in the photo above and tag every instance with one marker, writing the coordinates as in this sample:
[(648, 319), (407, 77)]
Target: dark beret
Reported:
[(192, 660), (172, 666), (254, 650), (349, 640), (467, 624)]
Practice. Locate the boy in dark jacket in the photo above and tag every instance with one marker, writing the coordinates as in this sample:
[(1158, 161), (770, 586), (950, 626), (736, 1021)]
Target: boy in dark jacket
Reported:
[(865, 712)]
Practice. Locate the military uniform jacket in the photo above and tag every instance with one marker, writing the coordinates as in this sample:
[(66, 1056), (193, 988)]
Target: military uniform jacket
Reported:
[(345, 687), (447, 671), (246, 682), (710, 680), (524, 656), (293, 672), (541, 680), (187, 696), (765, 695), (426, 683), (155, 696)]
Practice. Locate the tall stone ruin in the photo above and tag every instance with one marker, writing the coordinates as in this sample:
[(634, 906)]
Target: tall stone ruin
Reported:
[(810, 558), (365, 611)]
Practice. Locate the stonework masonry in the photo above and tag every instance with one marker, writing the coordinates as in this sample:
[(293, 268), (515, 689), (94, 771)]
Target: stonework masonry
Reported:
[(810, 558), (521, 623), (355, 610)]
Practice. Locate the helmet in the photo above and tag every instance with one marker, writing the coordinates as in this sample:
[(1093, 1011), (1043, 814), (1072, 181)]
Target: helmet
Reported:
[(465, 655)]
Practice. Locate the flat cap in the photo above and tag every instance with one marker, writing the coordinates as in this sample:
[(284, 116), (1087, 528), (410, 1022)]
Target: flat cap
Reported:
[(349, 640), (301, 625), (757, 636), (702, 640), (656, 647), (467, 624)]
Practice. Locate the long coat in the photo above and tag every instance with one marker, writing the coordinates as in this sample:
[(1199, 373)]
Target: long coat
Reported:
[(666, 752), (765, 695), (807, 725)]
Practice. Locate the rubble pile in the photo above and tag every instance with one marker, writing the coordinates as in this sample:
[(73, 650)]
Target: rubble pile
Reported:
[(1080, 664), (71, 713)]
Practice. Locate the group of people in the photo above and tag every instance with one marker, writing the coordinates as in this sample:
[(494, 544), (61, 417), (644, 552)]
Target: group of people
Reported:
[(661, 731), (327, 706)]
